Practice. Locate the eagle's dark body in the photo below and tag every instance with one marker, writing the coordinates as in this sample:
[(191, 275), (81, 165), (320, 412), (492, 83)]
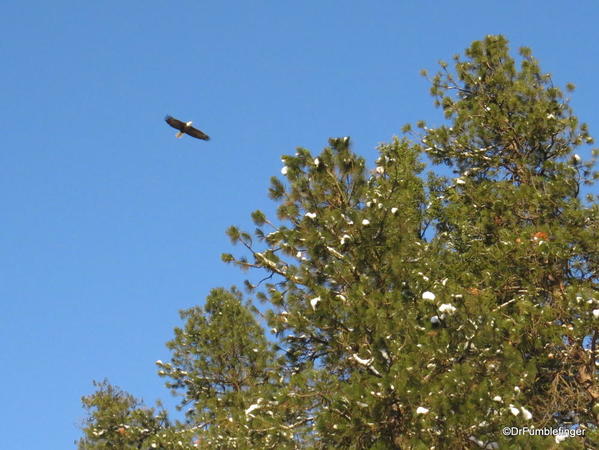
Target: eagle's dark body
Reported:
[(186, 128)]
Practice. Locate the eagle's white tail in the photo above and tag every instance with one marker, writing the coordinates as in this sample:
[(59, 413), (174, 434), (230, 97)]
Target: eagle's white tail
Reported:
[(179, 134)]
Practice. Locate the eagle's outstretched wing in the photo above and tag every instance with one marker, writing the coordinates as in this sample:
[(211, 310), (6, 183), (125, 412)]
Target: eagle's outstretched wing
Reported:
[(177, 124), (194, 132)]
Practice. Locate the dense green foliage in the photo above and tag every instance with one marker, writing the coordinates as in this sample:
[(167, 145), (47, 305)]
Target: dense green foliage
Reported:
[(405, 311)]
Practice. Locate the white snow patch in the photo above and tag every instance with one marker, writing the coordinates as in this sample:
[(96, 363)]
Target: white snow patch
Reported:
[(526, 413), (314, 302), (254, 407), (447, 308), (364, 362), (428, 296)]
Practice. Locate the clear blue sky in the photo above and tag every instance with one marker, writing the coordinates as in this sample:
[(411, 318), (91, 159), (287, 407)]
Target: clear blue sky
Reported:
[(110, 225)]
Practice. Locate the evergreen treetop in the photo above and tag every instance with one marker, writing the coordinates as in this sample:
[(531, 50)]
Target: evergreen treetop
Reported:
[(410, 311)]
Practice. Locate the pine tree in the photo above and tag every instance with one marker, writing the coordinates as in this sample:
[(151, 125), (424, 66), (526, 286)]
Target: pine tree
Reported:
[(515, 224), (225, 370), (117, 420), (409, 340), (410, 311)]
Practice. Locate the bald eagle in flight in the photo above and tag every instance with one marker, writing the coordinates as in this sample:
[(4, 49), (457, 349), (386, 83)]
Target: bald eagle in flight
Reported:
[(186, 128)]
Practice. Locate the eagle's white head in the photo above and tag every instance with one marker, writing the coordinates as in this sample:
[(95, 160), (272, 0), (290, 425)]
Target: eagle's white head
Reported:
[(189, 123)]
